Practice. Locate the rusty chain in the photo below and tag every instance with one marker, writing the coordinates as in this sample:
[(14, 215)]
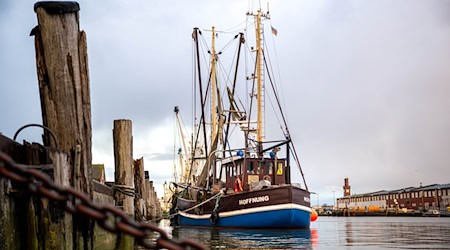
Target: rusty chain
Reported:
[(108, 217)]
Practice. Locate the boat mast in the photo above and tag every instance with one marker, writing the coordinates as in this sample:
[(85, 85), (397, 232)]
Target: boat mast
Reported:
[(216, 120), (202, 119), (259, 84), (185, 168), (213, 87)]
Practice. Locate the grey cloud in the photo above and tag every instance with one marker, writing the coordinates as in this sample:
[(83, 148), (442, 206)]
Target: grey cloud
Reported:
[(366, 83)]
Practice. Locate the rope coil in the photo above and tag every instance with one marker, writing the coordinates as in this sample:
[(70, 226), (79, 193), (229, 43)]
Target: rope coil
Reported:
[(126, 190)]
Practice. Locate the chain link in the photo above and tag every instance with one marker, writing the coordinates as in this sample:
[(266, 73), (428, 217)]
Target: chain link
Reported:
[(108, 217)]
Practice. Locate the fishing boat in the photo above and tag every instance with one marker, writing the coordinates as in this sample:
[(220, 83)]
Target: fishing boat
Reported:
[(248, 186)]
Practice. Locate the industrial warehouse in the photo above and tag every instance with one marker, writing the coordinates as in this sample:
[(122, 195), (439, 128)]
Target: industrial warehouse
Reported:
[(430, 200)]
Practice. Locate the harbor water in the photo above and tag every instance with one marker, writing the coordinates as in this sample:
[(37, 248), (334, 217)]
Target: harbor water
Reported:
[(331, 233)]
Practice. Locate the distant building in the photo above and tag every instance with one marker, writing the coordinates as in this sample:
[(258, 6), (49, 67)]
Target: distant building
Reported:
[(423, 198), (346, 188)]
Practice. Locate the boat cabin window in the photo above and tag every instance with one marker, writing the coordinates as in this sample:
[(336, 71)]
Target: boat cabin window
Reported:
[(232, 170), (268, 168), (250, 167), (280, 168), (262, 167)]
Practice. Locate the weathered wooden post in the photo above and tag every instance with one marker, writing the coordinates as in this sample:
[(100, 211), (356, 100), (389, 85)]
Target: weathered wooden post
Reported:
[(124, 177), (151, 191), (147, 196), (157, 205), (139, 205), (62, 69), (10, 237), (59, 223)]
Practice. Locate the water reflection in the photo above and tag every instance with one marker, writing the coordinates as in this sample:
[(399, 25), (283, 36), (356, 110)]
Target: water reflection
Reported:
[(419, 233), (250, 239), (384, 233), (331, 233)]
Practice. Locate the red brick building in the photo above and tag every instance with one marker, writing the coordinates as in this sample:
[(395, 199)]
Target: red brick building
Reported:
[(423, 198)]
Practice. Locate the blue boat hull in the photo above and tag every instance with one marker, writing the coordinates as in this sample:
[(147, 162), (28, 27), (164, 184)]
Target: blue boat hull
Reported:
[(277, 206), (281, 216)]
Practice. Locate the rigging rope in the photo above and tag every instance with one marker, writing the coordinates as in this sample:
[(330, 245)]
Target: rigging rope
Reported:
[(194, 207), (234, 29), (126, 190), (277, 98), (227, 45), (278, 70)]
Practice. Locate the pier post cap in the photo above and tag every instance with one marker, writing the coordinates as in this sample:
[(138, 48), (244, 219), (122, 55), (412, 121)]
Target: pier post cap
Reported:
[(57, 7)]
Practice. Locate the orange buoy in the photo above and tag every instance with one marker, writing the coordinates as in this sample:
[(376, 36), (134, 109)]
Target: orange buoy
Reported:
[(314, 215)]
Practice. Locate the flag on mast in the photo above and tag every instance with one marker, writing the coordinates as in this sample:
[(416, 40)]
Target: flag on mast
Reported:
[(274, 31)]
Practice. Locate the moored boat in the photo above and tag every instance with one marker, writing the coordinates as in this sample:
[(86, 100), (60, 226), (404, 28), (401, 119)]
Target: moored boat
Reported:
[(272, 207), (246, 187)]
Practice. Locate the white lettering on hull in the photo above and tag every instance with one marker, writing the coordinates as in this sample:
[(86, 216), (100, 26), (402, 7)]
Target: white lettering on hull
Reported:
[(254, 200)]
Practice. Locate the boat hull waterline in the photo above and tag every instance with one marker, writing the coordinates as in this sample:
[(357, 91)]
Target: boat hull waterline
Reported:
[(282, 207)]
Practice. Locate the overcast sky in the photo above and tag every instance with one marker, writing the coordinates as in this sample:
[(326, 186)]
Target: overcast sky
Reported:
[(366, 83)]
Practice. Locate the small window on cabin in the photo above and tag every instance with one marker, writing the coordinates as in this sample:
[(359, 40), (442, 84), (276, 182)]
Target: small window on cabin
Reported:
[(262, 168), (270, 168), (250, 167), (280, 168)]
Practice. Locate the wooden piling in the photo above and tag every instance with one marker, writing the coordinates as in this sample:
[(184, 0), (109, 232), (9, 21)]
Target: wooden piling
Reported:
[(158, 209), (124, 176), (32, 222), (151, 191), (139, 205), (62, 69), (147, 196), (9, 235), (58, 224)]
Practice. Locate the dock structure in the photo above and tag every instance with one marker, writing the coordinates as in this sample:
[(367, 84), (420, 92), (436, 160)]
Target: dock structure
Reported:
[(61, 170)]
